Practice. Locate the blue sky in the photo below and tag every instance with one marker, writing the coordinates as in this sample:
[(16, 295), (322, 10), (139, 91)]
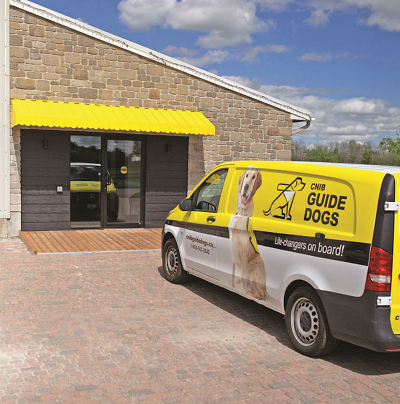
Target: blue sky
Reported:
[(338, 59)]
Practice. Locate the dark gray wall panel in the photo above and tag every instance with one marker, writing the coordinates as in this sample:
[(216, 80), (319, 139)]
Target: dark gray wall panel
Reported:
[(50, 218), (50, 226), (166, 177), (42, 170)]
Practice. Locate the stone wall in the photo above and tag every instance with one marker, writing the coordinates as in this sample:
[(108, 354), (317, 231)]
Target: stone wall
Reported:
[(51, 62)]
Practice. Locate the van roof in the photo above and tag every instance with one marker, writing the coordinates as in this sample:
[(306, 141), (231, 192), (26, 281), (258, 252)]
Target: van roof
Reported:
[(367, 167)]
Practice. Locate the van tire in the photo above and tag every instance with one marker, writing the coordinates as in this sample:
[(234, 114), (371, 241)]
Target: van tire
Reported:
[(172, 265), (307, 325)]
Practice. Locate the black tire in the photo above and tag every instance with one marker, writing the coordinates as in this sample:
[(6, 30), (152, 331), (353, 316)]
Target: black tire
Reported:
[(307, 325), (172, 265)]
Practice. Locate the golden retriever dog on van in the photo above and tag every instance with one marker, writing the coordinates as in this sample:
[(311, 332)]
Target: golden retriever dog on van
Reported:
[(247, 262)]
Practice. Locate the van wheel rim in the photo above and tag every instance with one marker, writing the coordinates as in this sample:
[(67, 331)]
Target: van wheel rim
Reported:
[(304, 322), (172, 261)]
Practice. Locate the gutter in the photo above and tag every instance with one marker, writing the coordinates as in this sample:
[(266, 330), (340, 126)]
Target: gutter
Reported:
[(307, 125)]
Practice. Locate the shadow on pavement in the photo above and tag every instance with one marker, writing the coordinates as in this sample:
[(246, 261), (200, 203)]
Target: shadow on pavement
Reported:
[(348, 356)]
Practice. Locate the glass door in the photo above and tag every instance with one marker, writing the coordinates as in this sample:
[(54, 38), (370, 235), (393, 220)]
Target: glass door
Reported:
[(123, 180), (105, 182), (85, 182)]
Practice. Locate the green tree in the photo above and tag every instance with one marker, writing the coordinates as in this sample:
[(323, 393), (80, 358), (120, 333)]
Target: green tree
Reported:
[(322, 153), (349, 152), (391, 145), (298, 148), (368, 154)]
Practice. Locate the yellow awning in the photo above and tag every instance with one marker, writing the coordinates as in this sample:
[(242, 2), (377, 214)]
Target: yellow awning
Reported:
[(57, 114)]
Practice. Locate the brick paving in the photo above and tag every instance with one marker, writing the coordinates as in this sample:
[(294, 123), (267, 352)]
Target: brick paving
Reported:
[(107, 328)]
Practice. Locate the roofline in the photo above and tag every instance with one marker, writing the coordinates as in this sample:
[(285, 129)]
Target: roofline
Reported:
[(158, 57), (266, 163)]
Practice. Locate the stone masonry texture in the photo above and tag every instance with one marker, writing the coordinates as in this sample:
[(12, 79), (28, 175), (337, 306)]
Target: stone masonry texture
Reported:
[(108, 328), (51, 62)]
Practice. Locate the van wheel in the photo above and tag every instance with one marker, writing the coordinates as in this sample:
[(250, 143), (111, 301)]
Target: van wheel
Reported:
[(172, 265), (307, 325)]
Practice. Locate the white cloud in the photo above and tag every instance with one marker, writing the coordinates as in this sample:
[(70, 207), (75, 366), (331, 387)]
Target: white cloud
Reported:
[(359, 106), (82, 20), (244, 81), (249, 54), (143, 14), (387, 20), (181, 52), (224, 22), (318, 18), (358, 129), (361, 119), (252, 53), (316, 57), (349, 56), (276, 5), (383, 13), (190, 56), (347, 119), (230, 22)]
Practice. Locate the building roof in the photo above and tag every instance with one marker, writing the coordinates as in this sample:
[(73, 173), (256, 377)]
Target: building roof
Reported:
[(297, 113)]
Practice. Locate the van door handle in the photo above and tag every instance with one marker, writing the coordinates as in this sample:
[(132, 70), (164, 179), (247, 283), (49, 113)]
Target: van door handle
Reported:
[(211, 219)]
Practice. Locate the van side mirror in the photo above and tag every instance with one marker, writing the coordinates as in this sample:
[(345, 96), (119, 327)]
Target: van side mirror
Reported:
[(186, 205)]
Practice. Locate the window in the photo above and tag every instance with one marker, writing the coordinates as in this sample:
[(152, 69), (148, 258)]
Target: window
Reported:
[(210, 192), (82, 172)]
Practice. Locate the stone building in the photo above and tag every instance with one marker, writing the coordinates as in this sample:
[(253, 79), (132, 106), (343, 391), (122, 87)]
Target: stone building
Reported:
[(107, 133)]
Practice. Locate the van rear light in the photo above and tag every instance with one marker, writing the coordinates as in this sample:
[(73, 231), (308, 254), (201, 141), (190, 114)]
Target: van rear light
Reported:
[(379, 274)]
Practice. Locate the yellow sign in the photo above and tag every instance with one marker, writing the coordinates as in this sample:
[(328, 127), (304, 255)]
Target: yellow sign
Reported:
[(124, 170)]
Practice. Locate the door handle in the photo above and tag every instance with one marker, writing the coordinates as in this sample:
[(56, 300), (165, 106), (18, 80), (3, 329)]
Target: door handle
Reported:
[(211, 219)]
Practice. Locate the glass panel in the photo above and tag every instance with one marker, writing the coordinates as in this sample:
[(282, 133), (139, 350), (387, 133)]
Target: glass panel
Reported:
[(123, 181), (85, 181)]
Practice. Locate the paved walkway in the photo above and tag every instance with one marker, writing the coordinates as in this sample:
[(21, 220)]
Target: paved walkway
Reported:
[(107, 328)]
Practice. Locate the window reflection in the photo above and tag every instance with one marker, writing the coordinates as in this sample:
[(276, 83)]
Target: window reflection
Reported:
[(85, 181)]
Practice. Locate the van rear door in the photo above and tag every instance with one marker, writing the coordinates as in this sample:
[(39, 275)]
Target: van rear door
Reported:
[(395, 288)]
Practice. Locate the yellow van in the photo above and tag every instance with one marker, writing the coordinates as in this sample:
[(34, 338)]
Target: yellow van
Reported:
[(315, 242)]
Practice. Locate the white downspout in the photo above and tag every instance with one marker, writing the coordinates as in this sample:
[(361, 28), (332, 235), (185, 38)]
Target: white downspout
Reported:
[(5, 125)]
